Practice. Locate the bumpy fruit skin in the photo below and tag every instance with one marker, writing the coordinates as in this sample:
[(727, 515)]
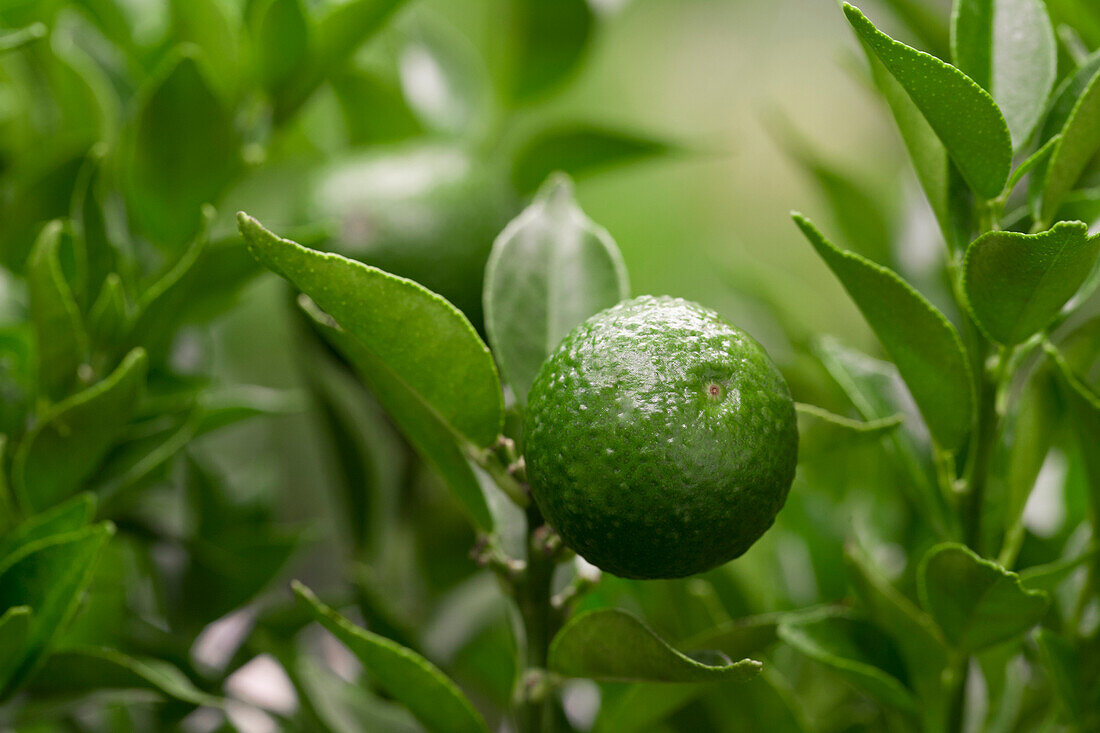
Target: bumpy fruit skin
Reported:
[(661, 441)]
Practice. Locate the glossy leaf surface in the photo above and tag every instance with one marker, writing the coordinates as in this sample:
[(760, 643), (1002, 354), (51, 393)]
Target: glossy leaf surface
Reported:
[(418, 684), (419, 336), (1008, 47), (1016, 284), (551, 268), (609, 644), (961, 113), (976, 602), (924, 345)]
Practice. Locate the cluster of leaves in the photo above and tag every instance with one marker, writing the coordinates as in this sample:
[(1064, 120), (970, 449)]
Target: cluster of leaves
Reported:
[(961, 420), (121, 540), (904, 574)]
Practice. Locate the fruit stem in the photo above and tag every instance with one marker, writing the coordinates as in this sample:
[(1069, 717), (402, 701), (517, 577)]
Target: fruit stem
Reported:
[(534, 691)]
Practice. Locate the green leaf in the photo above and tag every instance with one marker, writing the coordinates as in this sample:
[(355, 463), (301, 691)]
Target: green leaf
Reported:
[(870, 428), (15, 625), (421, 338), (915, 633), (374, 109), (206, 24), (159, 308), (877, 392), (551, 39), (48, 576), (444, 81), (85, 669), (183, 152), (15, 39), (68, 516), (610, 644), (642, 705), (1016, 284), (939, 178), (1084, 412), (109, 318), (219, 408), (282, 41), (236, 551), (1008, 47), (1047, 577), (739, 638), (926, 348), (422, 425), (1061, 662), (551, 268), (579, 150), (338, 33), (87, 218), (976, 602), (62, 342), (1080, 139), (856, 650), (414, 681), (65, 448), (961, 113)]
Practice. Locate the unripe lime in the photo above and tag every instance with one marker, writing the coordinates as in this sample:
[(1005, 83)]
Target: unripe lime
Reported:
[(426, 212), (660, 440)]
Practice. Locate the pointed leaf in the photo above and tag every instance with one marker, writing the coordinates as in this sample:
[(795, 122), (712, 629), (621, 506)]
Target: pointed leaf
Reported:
[(431, 437), (579, 150), (15, 625), (916, 634), (68, 516), (338, 34), (609, 644), (207, 24), (939, 178), (424, 340), (282, 41), (877, 392), (414, 681), (976, 602), (551, 38), (1016, 284), (551, 268), (856, 650), (109, 318), (1008, 47), (1080, 139), (183, 152), (48, 576), (1084, 411), (925, 346), (88, 220), (962, 114), (69, 443), (86, 669), (1061, 662), (62, 343), (739, 638)]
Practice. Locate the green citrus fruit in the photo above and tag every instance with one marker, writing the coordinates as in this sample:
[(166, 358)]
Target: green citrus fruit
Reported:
[(426, 212), (661, 441)]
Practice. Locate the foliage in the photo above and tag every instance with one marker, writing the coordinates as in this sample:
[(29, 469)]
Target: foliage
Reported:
[(421, 213)]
